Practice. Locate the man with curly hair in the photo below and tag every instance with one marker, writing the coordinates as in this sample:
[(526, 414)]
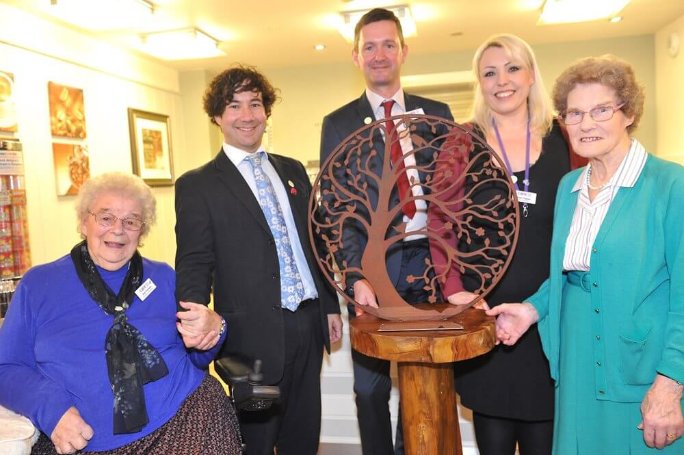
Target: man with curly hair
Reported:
[(241, 233)]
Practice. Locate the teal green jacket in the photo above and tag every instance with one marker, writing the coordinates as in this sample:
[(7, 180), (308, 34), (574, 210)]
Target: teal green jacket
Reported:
[(637, 279)]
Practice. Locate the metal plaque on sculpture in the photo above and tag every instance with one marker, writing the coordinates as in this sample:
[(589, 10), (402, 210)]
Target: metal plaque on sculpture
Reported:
[(465, 203)]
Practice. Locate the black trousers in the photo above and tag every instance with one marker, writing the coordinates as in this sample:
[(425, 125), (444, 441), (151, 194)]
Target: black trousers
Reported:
[(293, 425)]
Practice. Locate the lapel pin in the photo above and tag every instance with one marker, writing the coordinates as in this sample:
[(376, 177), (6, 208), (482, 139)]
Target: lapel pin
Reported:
[(291, 183), (367, 120)]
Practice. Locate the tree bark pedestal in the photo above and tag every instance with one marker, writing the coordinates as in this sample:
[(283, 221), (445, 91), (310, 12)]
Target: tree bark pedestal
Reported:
[(426, 375)]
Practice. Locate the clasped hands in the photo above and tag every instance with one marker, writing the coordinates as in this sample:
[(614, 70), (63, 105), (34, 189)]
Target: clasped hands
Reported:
[(199, 326)]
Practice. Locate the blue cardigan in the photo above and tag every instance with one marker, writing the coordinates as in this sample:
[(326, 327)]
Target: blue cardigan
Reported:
[(52, 351), (637, 278)]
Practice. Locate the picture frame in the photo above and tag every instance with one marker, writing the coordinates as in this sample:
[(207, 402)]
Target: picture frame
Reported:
[(151, 147)]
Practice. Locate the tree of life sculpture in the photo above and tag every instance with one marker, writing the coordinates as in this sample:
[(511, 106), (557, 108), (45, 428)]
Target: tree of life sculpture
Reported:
[(357, 224)]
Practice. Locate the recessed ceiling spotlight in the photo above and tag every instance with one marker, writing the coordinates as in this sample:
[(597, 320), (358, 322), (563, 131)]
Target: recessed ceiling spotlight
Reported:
[(319, 47), (615, 19), (569, 11)]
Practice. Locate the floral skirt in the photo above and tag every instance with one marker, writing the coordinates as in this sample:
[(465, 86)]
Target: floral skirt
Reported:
[(205, 424)]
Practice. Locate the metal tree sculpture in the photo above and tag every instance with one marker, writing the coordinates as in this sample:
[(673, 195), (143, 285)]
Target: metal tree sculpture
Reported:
[(357, 223)]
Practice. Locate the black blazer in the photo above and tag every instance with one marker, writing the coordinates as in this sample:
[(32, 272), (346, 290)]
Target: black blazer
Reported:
[(223, 241), (337, 126)]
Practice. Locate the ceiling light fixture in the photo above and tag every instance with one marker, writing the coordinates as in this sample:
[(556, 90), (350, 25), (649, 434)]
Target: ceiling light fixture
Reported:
[(403, 13), (569, 11), (183, 44), (102, 15)]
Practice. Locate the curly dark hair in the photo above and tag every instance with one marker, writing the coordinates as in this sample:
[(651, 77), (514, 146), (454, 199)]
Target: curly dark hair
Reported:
[(240, 78), (377, 15)]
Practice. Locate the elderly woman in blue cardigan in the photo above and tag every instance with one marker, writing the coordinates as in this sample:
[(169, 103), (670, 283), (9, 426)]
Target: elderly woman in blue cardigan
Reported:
[(611, 313), (92, 350)]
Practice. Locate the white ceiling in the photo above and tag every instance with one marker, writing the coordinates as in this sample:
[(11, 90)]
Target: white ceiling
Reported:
[(281, 33)]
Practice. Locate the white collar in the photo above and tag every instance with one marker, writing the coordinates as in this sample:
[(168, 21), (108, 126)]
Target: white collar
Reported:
[(237, 156), (376, 100), (626, 174)]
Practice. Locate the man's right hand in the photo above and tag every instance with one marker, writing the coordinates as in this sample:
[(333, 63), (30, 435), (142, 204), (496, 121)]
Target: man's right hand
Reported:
[(71, 433), (364, 294)]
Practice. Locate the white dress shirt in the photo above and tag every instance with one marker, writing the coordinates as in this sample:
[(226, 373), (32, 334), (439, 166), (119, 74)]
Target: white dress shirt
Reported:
[(239, 159)]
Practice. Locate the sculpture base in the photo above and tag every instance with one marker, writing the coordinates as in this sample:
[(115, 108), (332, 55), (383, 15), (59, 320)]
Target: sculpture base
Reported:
[(426, 375)]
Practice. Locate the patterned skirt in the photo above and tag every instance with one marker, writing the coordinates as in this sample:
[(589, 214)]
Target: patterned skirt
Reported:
[(205, 424)]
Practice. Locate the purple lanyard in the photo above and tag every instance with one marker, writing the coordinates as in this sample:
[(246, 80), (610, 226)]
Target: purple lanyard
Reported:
[(526, 181)]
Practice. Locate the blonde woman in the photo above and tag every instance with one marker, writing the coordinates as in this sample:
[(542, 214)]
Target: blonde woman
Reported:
[(509, 389)]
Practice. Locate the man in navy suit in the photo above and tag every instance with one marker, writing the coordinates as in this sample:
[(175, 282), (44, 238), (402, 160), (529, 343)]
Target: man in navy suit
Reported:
[(241, 231), (379, 52)]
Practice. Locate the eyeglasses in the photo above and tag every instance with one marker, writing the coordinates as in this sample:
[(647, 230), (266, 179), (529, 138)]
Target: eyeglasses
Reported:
[(599, 114), (107, 220)]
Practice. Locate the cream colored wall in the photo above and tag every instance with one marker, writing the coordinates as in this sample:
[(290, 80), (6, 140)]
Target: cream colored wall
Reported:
[(112, 81), (670, 94)]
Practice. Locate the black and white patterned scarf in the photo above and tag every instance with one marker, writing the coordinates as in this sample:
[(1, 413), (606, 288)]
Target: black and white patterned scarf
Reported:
[(131, 360)]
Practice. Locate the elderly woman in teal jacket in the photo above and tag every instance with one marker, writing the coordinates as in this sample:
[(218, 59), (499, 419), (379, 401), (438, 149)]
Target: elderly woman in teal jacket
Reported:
[(611, 313)]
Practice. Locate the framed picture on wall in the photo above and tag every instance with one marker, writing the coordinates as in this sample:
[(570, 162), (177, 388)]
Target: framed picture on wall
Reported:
[(71, 166), (67, 111), (151, 147)]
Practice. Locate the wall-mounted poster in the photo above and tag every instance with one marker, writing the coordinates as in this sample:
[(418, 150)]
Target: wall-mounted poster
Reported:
[(8, 115), (72, 167), (67, 111), (151, 147)]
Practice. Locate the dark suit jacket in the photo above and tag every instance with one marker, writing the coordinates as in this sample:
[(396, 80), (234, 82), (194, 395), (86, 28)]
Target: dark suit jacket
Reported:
[(224, 242), (337, 126)]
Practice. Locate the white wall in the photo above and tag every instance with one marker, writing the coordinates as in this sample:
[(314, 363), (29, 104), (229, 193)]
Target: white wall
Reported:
[(112, 81), (670, 93)]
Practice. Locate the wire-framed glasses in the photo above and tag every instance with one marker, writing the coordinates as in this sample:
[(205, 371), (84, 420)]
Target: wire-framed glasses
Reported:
[(107, 220), (599, 114)]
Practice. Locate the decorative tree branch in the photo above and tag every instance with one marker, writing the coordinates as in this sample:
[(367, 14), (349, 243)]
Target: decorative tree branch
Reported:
[(458, 185)]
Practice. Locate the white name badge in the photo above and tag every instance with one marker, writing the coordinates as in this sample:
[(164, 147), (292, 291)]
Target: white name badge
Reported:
[(145, 289), (526, 197)]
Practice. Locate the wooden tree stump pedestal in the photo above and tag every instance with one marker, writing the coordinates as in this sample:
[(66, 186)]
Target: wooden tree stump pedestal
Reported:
[(426, 376)]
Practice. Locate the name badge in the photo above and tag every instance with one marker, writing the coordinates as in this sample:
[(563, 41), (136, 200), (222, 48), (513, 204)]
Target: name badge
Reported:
[(145, 289), (526, 197)]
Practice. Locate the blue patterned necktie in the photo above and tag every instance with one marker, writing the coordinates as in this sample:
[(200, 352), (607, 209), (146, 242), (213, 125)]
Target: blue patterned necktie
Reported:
[(291, 287)]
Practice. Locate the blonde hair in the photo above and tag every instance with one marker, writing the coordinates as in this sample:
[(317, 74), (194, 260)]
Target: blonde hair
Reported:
[(538, 101), (126, 185), (609, 71)]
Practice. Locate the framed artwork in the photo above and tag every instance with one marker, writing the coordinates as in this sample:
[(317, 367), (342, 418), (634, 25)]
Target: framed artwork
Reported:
[(151, 147), (67, 111), (8, 115), (72, 167)]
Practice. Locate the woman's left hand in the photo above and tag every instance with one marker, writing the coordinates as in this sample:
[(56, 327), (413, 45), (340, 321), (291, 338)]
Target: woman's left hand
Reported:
[(199, 326), (661, 411)]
